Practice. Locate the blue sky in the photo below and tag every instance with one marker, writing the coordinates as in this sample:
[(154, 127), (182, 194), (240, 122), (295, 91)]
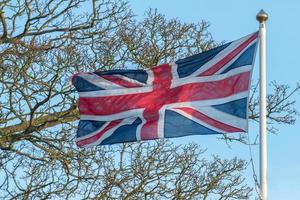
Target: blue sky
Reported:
[(231, 20)]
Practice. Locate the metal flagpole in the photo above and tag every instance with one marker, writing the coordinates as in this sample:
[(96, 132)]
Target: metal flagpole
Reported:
[(262, 17)]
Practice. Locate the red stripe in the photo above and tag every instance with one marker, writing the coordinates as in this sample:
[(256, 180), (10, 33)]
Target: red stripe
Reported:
[(94, 138), (161, 85), (210, 121), (162, 76), (149, 130), (189, 92), (212, 70), (212, 90), (119, 81)]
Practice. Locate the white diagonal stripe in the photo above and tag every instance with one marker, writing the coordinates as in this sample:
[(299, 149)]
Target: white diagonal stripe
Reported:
[(220, 55), (235, 58), (224, 117), (174, 67), (181, 112), (129, 79), (109, 132), (92, 133)]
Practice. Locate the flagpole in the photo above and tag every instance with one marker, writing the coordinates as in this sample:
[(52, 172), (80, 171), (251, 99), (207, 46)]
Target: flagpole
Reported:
[(262, 17)]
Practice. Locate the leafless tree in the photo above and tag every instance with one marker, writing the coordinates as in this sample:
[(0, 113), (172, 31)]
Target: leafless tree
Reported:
[(42, 43)]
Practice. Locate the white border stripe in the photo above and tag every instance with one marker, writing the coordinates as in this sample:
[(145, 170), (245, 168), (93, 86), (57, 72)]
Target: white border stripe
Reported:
[(198, 104), (116, 92), (139, 129), (150, 76), (120, 115), (161, 122), (211, 78)]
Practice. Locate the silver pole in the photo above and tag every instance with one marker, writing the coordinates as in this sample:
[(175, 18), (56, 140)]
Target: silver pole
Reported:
[(262, 17)]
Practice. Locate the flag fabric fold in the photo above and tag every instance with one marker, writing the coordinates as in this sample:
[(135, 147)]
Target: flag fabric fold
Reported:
[(202, 94)]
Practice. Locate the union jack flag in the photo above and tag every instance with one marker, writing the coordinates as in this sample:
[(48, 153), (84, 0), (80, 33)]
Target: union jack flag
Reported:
[(202, 94)]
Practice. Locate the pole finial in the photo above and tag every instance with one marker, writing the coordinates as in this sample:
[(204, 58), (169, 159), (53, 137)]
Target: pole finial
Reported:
[(262, 16)]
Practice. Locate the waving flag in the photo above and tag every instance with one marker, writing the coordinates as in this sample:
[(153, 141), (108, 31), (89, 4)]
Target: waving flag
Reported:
[(203, 94)]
